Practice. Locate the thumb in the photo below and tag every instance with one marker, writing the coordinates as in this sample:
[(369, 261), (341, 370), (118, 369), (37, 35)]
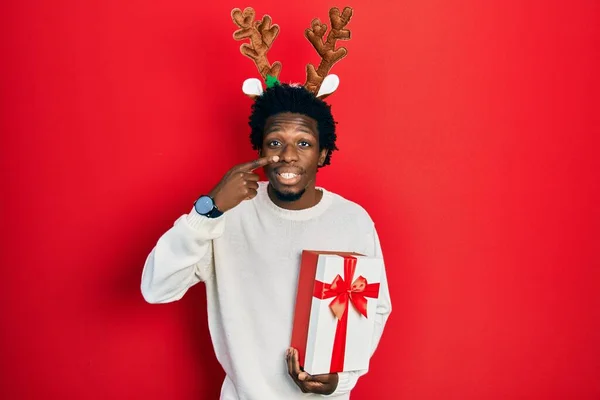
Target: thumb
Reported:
[(303, 376)]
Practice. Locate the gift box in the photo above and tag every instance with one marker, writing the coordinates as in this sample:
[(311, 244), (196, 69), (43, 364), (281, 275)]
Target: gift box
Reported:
[(335, 309)]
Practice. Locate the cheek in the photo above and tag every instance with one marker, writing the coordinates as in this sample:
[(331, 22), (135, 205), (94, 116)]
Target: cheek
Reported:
[(311, 160)]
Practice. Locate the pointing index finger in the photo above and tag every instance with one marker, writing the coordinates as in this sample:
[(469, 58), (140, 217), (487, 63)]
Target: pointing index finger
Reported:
[(261, 162)]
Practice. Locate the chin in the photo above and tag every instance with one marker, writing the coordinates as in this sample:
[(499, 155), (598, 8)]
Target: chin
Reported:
[(287, 193)]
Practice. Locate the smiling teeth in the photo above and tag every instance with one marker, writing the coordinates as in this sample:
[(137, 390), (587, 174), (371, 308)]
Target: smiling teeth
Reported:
[(288, 175)]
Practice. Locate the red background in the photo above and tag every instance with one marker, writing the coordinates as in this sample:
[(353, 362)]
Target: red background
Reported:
[(468, 129)]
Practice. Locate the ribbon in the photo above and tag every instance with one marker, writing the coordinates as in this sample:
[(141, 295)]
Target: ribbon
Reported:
[(343, 292)]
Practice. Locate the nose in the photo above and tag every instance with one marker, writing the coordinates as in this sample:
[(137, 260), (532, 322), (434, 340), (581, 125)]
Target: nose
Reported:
[(289, 153)]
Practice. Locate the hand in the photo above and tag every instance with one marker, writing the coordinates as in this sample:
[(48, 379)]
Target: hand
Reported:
[(319, 384), (239, 184)]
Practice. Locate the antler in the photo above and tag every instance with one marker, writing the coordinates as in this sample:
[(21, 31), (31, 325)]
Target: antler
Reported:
[(326, 49), (261, 34)]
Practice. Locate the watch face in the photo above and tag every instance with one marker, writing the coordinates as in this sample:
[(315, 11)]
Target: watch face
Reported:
[(204, 205)]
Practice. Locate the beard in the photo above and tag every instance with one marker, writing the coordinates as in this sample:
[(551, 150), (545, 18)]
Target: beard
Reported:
[(288, 197)]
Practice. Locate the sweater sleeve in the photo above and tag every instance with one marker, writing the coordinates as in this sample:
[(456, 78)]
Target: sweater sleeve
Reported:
[(347, 380), (182, 257)]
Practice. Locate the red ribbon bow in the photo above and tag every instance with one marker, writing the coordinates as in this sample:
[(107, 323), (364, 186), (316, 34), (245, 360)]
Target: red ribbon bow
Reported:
[(343, 292)]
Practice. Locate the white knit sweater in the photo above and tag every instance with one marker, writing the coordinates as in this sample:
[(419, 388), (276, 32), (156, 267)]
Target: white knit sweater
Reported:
[(249, 259)]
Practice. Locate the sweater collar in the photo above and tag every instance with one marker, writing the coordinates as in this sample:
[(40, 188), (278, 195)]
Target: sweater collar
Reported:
[(298, 215)]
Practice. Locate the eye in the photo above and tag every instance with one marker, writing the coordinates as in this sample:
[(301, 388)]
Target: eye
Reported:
[(304, 143), (274, 143)]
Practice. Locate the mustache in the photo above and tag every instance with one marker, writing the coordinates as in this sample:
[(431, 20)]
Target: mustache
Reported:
[(286, 168)]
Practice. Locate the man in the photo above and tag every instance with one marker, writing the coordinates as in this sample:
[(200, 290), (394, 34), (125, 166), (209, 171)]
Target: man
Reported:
[(244, 241)]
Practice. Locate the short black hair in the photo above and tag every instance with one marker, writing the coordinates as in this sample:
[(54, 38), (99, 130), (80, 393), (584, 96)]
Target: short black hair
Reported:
[(295, 99)]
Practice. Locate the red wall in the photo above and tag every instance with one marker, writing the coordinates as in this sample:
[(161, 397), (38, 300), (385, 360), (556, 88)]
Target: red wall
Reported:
[(468, 129)]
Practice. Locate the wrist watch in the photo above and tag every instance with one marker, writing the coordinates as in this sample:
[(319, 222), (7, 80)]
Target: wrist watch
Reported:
[(205, 205)]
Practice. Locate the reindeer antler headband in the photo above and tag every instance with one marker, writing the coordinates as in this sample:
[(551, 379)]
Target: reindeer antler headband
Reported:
[(262, 34)]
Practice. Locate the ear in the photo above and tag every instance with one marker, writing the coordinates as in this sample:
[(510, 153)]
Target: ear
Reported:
[(322, 157), (252, 88), (329, 85)]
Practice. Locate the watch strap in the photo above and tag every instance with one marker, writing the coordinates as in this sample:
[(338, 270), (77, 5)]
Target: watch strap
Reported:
[(215, 212)]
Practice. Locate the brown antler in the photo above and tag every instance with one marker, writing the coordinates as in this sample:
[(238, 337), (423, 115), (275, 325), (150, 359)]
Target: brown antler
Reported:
[(326, 49), (261, 34)]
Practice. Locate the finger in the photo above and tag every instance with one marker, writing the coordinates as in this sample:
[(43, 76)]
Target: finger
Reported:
[(261, 162), (293, 369), (250, 176), (251, 185), (305, 377), (290, 363), (251, 193), (314, 387), (245, 176), (296, 363), (323, 384), (324, 378)]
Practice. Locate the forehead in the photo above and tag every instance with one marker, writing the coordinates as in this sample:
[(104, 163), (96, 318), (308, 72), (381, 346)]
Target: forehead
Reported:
[(290, 122)]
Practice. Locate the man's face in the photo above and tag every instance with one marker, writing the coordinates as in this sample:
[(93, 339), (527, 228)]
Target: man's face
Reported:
[(295, 139)]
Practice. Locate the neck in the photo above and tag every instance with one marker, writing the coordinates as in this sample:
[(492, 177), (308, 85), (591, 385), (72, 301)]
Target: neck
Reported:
[(310, 198)]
